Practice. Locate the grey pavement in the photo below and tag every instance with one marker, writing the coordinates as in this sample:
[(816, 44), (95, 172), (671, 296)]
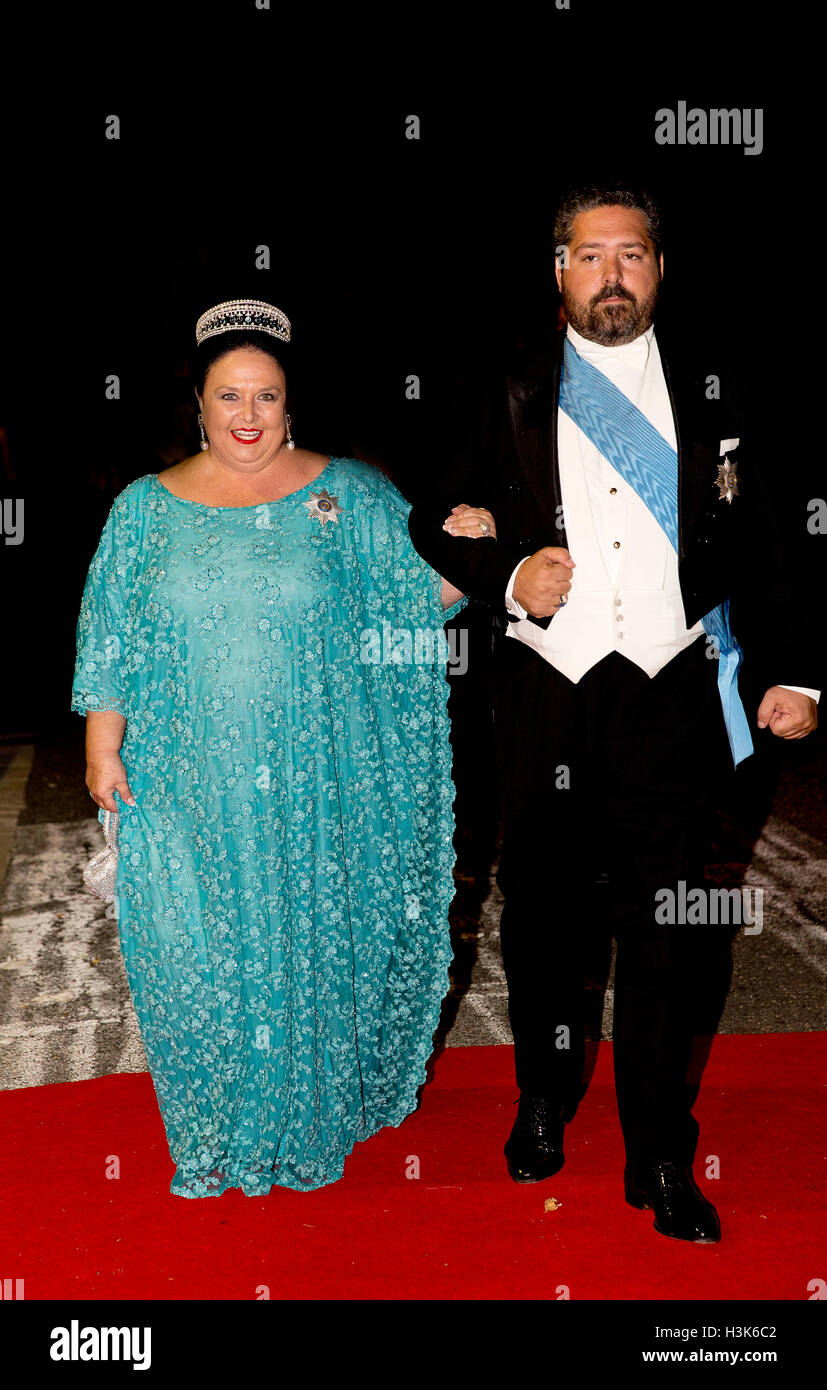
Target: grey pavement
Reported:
[(65, 1007)]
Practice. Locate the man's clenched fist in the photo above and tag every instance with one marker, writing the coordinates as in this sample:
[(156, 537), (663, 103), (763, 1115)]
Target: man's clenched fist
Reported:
[(788, 713), (543, 579)]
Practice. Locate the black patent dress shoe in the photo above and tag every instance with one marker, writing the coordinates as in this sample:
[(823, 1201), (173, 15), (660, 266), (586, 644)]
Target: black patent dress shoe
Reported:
[(680, 1208), (534, 1148)]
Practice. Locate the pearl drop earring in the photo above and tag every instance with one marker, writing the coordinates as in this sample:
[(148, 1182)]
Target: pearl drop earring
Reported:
[(290, 441), (205, 443)]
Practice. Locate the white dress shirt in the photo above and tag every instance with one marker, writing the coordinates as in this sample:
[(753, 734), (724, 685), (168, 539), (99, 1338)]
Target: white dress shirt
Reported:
[(625, 593)]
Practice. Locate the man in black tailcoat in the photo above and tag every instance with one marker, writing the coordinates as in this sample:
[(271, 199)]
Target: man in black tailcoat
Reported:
[(613, 741)]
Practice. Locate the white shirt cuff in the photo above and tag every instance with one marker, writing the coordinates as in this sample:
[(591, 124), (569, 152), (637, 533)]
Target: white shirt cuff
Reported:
[(803, 690), (514, 608)]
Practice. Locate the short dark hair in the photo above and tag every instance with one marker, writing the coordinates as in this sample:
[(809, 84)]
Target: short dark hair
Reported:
[(607, 195), (212, 349)]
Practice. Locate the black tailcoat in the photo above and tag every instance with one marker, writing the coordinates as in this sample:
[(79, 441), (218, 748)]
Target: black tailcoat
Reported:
[(645, 757)]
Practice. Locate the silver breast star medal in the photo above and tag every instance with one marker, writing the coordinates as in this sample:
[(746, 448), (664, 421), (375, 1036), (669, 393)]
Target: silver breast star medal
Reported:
[(727, 481), (325, 507)]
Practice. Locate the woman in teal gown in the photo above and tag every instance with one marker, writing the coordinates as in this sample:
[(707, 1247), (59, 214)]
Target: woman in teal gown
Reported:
[(285, 873)]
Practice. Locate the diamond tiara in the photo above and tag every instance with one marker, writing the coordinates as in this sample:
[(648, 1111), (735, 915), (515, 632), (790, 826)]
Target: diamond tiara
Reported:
[(243, 313)]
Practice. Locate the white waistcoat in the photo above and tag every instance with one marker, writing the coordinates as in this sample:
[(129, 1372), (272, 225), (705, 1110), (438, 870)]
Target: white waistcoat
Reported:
[(625, 595)]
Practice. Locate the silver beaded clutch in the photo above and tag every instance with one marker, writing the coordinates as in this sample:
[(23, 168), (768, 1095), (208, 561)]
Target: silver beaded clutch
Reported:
[(99, 874)]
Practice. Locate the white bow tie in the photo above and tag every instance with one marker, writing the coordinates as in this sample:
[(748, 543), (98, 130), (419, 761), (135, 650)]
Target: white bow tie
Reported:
[(634, 354)]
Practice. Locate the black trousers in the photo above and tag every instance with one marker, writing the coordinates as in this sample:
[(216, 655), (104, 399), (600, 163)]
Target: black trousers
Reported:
[(609, 792)]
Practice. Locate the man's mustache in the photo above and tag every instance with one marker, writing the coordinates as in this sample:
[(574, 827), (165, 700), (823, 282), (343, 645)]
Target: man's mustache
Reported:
[(613, 292)]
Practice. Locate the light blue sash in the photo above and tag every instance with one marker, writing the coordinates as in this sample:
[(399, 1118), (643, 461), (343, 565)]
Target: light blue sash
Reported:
[(645, 461)]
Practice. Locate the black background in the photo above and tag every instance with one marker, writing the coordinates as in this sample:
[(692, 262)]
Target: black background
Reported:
[(391, 256)]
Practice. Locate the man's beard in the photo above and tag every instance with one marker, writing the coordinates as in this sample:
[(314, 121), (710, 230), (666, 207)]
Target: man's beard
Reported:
[(613, 323)]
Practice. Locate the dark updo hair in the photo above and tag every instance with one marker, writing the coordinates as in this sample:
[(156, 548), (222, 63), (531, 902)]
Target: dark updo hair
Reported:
[(212, 349)]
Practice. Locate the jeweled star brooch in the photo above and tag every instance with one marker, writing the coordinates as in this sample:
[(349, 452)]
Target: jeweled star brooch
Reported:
[(727, 481), (325, 507)]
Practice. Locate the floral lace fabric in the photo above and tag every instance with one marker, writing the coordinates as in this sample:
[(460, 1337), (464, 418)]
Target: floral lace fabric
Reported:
[(284, 880)]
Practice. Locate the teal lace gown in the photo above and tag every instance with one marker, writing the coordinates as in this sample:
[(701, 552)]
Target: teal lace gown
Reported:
[(284, 879)]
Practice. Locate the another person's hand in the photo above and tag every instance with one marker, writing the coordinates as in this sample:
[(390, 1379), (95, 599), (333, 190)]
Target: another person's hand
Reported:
[(450, 594), (106, 775), (543, 580), (475, 523), (787, 713)]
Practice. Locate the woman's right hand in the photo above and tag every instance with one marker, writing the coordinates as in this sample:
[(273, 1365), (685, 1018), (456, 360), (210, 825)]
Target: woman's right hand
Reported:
[(105, 775), (473, 523)]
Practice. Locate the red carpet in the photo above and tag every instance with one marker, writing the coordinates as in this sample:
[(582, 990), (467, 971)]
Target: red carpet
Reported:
[(463, 1230)]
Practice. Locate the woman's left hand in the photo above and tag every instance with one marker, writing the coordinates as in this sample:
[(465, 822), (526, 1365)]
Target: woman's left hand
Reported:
[(475, 523)]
